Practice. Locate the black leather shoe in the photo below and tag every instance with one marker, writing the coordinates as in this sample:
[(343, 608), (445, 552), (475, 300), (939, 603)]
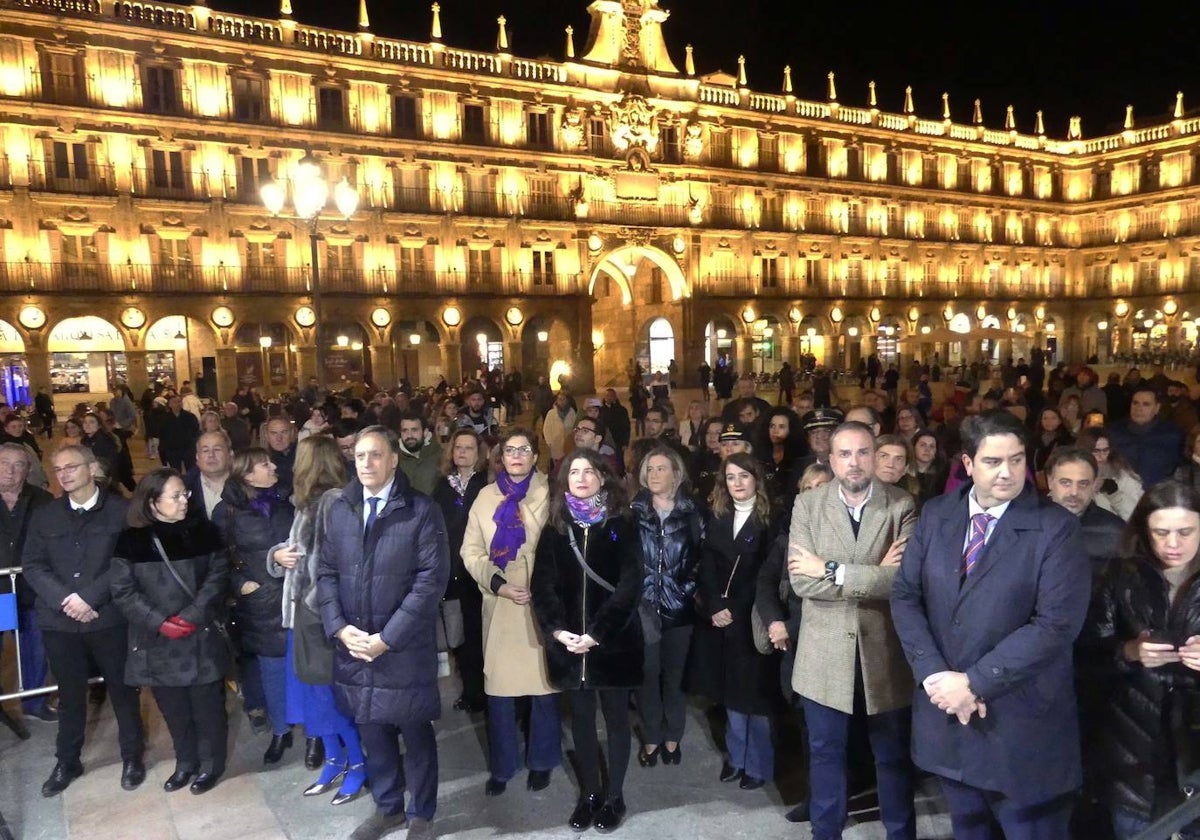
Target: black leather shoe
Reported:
[(538, 780), (278, 744), (61, 777), (584, 813), (471, 707), (799, 814), (610, 816), (133, 773), (673, 757), (649, 759), (751, 782), (204, 783), (314, 753), (178, 780), (729, 773), (494, 787)]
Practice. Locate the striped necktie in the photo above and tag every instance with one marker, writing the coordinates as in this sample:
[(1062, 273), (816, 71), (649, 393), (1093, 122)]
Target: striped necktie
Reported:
[(979, 528)]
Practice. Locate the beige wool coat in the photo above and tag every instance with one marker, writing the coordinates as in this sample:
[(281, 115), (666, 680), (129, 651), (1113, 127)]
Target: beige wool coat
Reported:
[(839, 621), (514, 664)]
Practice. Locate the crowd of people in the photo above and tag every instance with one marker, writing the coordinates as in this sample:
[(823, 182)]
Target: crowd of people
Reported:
[(993, 586)]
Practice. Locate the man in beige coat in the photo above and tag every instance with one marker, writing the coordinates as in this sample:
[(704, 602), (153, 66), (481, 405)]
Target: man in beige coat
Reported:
[(513, 661), (844, 549)]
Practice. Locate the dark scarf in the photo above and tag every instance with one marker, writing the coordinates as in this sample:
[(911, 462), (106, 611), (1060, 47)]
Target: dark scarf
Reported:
[(265, 501), (510, 530)]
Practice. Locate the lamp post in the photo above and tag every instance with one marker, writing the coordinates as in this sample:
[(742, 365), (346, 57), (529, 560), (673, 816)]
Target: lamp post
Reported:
[(310, 192)]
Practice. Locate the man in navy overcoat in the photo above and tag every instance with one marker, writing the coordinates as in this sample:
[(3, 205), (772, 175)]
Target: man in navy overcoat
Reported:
[(992, 591)]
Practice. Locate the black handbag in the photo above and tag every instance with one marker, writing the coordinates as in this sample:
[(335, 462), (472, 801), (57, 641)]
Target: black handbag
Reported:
[(312, 649)]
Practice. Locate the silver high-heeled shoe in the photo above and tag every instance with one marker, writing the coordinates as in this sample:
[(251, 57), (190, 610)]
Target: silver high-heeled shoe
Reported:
[(317, 789), (343, 798)]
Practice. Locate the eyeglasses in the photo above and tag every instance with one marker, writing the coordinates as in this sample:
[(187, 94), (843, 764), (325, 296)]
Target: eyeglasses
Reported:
[(68, 468), (179, 497), (514, 451), (587, 429)]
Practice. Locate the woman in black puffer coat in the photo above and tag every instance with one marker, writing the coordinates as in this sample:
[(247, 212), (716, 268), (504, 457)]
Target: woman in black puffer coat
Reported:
[(1140, 652), (671, 531), (174, 648), (253, 519)]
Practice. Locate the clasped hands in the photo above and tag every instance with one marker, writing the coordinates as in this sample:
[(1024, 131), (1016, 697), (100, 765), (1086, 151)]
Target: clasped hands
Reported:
[(361, 644), (78, 609), (951, 692), (578, 644)]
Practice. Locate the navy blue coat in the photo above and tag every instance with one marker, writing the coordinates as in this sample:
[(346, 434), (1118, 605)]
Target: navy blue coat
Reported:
[(390, 585), (1010, 627)]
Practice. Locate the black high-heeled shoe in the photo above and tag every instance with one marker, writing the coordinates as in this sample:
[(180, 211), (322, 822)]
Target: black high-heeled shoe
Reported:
[(584, 813), (673, 756), (649, 759)]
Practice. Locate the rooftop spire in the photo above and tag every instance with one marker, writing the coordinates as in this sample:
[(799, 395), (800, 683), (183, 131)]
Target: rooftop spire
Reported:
[(832, 88), (742, 82), (689, 64), (977, 117), (285, 8), (435, 31), (364, 20), (502, 37), (570, 42), (1010, 122), (1040, 128), (787, 79), (908, 103), (1075, 129), (1179, 105), (871, 98), (1128, 118), (945, 106)]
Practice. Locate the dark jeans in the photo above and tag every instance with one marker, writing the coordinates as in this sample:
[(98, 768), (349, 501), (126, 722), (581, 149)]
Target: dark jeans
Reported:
[(504, 736), (828, 740), (33, 659), (614, 703), (72, 657), (972, 812), (469, 655), (748, 740), (661, 700), (195, 716), (274, 683), (390, 771)]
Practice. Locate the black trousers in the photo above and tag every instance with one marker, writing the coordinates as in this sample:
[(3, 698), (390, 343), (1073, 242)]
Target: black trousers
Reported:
[(469, 656), (195, 716), (614, 703), (661, 699), (73, 656)]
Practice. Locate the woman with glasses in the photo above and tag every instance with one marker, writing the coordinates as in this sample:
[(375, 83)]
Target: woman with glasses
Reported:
[(1120, 487), (253, 518), (586, 587), (502, 532), (464, 475), (170, 571)]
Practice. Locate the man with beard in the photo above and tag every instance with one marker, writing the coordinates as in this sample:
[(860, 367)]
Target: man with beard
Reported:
[(844, 548), (420, 453), (476, 415)]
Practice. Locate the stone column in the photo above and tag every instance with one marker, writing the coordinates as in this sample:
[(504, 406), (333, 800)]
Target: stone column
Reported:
[(743, 344), (513, 357), (306, 358), (227, 371), (383, 366), (137, 377), (452, 361), (38, 362)]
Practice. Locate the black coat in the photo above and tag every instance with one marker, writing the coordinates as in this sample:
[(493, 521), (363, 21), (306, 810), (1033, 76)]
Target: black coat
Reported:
[(148, 595), (67, 552), (1136, 742), (258, 617), (390, 585), (14, 528), (670, 555), (177, 435), (455, 509), (777, 601), (565, 598), (725, 665)]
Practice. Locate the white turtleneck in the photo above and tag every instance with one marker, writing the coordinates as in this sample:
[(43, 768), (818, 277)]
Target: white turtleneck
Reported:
[(741, 512)]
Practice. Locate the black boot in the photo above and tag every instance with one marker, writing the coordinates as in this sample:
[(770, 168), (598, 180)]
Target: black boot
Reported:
[(314, 753), (278, 744)]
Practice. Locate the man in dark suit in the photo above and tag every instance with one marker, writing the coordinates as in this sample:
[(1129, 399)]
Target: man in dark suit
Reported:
[(991, 593)]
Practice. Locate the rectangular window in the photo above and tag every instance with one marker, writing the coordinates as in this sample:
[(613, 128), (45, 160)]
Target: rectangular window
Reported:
[(537, 129), (768, 152), (668, 141), (331, 108), (71, 162), (474, 127), (160, 90), (252, 174), (166, 172), (543, 268), (479, 264), (80, 249), (60, 78), (854, 272), (405, 117), (339, 258), (718, 148), (249, 98), (655, 287), (412, 261), (174, 258), (769, 272), (542, 200)]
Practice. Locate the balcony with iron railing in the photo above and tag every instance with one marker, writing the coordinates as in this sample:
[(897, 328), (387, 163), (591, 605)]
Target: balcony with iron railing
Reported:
[(742, 286), (93, 179)]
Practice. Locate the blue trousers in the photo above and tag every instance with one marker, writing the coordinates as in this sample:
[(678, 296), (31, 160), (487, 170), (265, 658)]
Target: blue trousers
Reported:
[(390, 772), (889, 732), (33, 658), (544, 751), (748, 739), (972, 810), (274, 684)]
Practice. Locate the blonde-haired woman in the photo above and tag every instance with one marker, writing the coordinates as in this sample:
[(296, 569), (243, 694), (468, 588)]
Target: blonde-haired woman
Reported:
[(498, 549)]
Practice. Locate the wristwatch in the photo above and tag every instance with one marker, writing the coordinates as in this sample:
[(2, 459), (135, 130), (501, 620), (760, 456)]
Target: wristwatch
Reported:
[(831, 567)]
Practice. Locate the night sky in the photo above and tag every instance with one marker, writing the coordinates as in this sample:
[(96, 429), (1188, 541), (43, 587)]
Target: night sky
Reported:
[(1066, 57)]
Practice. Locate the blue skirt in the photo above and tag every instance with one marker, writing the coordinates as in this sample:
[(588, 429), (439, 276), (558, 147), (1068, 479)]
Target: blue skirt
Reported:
[(312, 705)]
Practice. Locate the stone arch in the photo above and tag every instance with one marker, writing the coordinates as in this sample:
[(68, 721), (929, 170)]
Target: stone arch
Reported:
[(634, 254), (174, 346), (489, 350), (14, 371), (545, 340), (87, 354)]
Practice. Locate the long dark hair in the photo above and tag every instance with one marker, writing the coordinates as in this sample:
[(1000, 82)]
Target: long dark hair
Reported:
[(792, 444), (140, 513), (722, 502), (560, 518), (1135, 542)]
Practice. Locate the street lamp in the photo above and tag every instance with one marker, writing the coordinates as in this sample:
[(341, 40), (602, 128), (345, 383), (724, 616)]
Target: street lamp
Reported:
[(310, 192)]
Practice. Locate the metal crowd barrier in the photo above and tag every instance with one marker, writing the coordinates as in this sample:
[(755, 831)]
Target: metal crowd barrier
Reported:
[(1180, 817)]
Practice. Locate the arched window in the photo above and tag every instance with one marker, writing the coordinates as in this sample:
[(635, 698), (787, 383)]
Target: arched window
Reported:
[(662, 345)]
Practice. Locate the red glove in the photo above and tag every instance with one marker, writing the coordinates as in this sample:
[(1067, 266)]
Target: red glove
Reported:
[(176, 628)]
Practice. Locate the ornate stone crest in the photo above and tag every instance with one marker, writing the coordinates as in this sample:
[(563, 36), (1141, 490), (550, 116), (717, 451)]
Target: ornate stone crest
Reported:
[(633, 126)]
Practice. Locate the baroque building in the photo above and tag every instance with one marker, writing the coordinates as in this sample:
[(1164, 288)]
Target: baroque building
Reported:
[(543, 215)]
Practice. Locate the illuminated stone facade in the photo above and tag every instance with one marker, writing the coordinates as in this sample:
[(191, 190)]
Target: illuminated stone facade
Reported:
[(556, 209)]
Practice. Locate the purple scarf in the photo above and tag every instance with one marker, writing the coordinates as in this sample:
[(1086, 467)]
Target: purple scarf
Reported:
[(264, 502), (510, 530), (589, 511)]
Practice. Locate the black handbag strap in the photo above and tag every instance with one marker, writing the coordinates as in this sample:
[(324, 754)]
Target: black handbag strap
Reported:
[(162, 552), (587, 570)]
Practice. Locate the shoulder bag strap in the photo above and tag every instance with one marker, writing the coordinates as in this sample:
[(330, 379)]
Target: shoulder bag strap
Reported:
[(587, 570), (162, 552)]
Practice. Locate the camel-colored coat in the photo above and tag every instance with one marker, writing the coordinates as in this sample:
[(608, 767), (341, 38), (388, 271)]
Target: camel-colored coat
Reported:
[(514, 664)]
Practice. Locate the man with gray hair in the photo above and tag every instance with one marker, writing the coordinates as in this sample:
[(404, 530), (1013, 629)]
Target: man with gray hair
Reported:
[(19, 500), (235, 426), (844, 550)]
